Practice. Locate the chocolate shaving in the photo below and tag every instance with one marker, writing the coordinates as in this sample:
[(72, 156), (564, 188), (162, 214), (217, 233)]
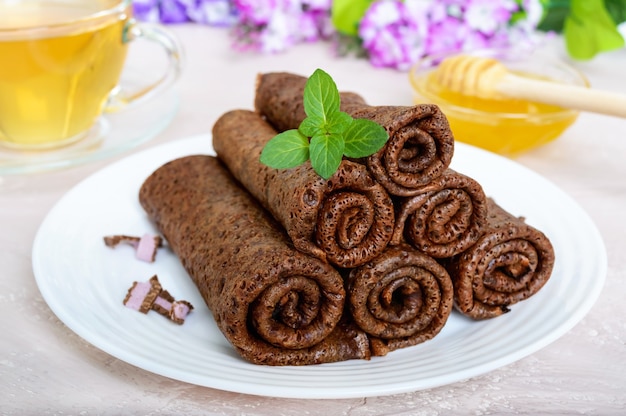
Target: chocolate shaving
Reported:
[(138, 244), (143, 292), (175, 310), (146, 296), (115, 240)]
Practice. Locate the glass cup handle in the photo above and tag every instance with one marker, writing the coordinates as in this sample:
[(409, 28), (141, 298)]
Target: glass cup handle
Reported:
[(120, 98)]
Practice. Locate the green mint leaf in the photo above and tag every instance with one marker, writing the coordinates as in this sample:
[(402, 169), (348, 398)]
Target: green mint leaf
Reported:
[(364, 138), (326, 153), (286, 150), (333, 133), (321, 96), (311, 125), (338, 123)]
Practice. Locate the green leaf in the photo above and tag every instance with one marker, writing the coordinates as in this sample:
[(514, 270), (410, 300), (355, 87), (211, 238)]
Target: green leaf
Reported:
[(326, 153), (364, 138), (589, 29), (311, 125), (555, 13), (346, 15), (338, 122), (321, 97), (332, 132), (286, 150), (616, 9)]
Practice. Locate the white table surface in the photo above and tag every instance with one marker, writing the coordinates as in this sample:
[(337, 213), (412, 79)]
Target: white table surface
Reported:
[(46, 369)]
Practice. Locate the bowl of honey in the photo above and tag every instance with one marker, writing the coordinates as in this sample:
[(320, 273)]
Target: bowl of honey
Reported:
[(503, 125)]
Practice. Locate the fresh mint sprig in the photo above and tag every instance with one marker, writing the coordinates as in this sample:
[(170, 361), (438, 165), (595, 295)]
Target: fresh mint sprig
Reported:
[(325, 135)]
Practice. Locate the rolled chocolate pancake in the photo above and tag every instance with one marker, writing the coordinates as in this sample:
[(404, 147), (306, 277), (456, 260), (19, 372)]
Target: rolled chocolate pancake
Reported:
[(509, 263), (401, 298), (274, 304), (346, 220), (445, 218), (420, 145)]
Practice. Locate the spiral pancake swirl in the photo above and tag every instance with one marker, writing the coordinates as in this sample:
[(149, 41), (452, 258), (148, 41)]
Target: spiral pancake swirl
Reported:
[(511, 262), (401, 298), (445, 218), (346, 220)]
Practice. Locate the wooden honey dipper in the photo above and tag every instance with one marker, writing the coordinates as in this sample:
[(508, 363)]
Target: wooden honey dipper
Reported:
[(489, 78)]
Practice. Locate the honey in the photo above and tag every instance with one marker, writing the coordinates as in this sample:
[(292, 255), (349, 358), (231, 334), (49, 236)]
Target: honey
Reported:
[(502, 125)]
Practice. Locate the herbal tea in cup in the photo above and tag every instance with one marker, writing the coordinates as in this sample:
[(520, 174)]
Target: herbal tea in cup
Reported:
[(61, 65)]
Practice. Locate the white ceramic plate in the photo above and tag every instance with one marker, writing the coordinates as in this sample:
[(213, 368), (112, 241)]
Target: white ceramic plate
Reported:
[(84, 283)]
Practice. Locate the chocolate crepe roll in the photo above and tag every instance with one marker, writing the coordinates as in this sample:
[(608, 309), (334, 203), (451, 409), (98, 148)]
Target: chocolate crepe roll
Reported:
[(509, 263), (345, 220), (276, 305), (401, 298), (445, 218), (420, 145)]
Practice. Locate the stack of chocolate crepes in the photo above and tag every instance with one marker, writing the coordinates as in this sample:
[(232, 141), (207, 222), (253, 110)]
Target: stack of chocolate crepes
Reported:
[(301, 270)]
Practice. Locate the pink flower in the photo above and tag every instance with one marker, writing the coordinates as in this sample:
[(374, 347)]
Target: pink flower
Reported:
[(256, 12), (486, 16), (147, 10), (391, 34), (173, 11), (275, 25), (447, 35), (212, 12)]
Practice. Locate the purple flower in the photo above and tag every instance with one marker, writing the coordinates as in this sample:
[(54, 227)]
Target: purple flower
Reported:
[(173, 11), (447, 35), (318, 5), (278, 35), (396, 34), (439, 10), (263, 25), (147, 10), (392, 35), (486, 16), (315, 16), (308, 27), (275, 25), (522, 32), (257, 12), (212, 12)]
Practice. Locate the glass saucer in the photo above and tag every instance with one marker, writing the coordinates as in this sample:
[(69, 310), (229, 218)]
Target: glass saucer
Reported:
[(115, 133)]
